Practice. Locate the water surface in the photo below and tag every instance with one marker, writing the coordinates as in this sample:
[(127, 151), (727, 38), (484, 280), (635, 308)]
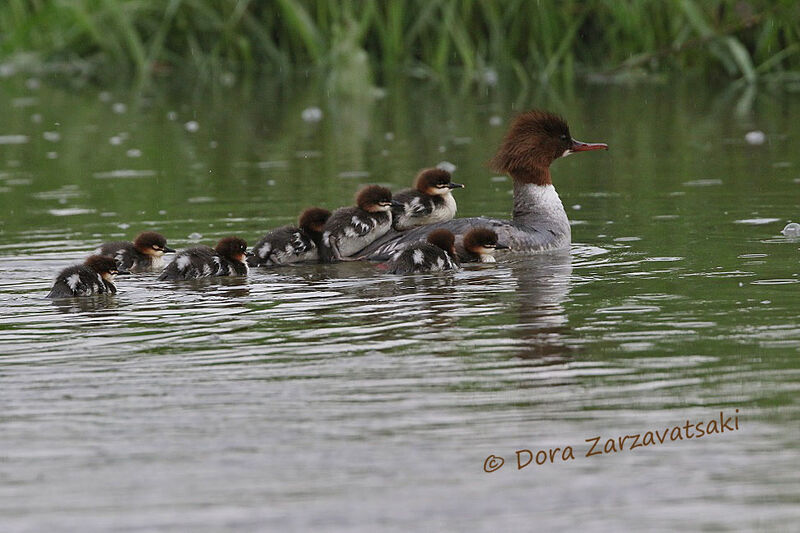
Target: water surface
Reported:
[(338, 398)]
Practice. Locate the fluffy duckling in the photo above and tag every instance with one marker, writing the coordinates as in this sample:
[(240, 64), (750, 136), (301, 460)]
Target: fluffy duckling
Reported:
[(438, 254), (95, 276), (292, 244), (144, 254), (430, 200), (479, 245), (227, 259), (350, 229)]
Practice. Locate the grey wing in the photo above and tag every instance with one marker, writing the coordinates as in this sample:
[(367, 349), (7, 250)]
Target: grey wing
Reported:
[(414, 204), (394, 240)]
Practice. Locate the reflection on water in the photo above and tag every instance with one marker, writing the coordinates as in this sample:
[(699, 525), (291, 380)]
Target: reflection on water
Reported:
[(338, 397)]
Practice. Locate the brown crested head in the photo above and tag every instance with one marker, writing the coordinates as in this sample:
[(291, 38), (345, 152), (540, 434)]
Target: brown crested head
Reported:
[(374, 198), (444, 239), (102, 264), (232, 248), (312, 219), (433, 181), (150, 242), (534, 140), (479, 238)]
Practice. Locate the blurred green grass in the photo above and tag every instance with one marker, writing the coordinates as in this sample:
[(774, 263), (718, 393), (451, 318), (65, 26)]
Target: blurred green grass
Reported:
[(734, 39)]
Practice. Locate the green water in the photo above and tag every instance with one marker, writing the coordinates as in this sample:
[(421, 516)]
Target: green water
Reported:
[(338, 398)]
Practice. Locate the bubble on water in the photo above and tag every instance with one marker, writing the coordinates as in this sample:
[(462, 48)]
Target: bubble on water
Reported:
[(7, 70), (52, 155), (119, 108), (576, 207), (194, 236), (162, 212), (36, 118), (228, 79), (755, 137), (446, 166), (123, 225), (192, 126), (791, 230), (104, 96), (442, 149), (134, 152), (52, 136), (32, 84), (172, 115), (270, 182), (116, 140), (490, 77), (498, 179), (495, 120), (389, 136), (213, 144), (311, 114), (384, 152)]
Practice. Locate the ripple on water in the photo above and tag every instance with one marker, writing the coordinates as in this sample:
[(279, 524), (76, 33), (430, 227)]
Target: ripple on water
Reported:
[(125, 173), (756, 221), (624, 309)]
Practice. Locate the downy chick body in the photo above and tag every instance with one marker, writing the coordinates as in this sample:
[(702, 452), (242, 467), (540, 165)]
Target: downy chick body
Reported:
[(292, 244), (95, 276), (350, 229), (437, 254), (430, 200), (226, 259), (144, 254)]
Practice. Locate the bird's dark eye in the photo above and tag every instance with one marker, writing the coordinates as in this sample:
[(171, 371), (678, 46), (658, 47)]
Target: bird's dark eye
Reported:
[(563, 137)]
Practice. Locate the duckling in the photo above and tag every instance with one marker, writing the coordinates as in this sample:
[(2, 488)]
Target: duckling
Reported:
[(227, 259), (438, 254), (292, 244), (479, 245), (430, 200), (144, 254), (349, 229), (95, 276)]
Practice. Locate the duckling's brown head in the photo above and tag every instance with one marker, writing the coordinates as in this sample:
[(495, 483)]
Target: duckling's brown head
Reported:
[(232, 248), (374, 198), (151, 243), (435, 181), (444, 239), (313, 219)]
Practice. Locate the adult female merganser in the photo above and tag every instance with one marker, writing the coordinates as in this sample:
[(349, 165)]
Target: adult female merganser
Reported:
[(438, 254), (350, 229), (227, 259), (292, 244), (430, 200), (478, 246), (94, 276), (539, 222), (144, 254)]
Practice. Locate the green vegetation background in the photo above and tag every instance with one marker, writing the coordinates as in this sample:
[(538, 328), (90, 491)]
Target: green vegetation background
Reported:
[(736, 39)]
